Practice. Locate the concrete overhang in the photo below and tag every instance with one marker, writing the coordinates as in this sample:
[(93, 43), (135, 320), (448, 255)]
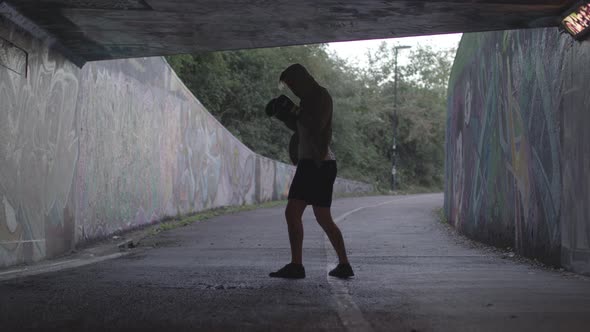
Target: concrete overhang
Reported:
[(89, 30)]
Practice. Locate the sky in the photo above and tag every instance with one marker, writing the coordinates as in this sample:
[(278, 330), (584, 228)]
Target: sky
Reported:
[(355, 52)]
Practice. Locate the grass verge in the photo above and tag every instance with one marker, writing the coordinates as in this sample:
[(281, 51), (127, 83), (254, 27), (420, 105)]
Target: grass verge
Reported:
[(188, 219), (441, 215)]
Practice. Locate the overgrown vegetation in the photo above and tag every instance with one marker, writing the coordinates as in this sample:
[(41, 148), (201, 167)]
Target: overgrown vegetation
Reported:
[(235, 87)]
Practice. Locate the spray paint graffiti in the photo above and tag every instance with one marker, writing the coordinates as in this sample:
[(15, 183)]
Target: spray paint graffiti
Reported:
[(38, 150), (504, 171), (116, 145), (575, 159), (153, 150)]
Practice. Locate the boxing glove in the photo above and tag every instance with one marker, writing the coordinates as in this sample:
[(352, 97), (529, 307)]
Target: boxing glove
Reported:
[(283, 109)]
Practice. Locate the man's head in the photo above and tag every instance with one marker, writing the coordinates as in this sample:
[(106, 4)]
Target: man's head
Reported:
[(298, 79)]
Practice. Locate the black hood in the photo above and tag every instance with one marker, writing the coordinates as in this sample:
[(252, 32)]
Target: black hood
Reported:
[(298, 79)]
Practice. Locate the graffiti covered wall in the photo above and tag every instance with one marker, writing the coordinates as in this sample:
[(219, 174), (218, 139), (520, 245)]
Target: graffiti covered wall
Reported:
[(38, 152), (505, 180), (118, 144), (575, 159)]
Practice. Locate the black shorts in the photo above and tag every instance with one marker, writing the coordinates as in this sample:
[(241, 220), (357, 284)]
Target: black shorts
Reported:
[(312, 184)]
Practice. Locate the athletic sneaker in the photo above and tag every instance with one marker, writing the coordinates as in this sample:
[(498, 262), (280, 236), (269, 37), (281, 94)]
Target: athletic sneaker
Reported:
[(342, 271), (290, 271)]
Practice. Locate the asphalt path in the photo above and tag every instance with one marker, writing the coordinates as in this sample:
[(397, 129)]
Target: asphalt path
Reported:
[(412, 274)]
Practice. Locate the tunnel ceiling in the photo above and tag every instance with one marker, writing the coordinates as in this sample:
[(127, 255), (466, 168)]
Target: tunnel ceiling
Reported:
[(106, 29)]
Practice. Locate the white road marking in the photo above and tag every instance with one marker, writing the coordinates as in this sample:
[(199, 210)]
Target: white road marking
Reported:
[(65, 262), (12, 271), (56, 266), (350, 315), (21, 241)]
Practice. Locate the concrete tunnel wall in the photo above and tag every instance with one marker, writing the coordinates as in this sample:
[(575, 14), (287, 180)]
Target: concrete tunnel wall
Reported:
[(518, 150), (85, 153)]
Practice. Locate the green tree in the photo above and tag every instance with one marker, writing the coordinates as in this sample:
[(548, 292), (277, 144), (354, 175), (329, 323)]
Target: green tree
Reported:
[(421, 110), (235, 87)]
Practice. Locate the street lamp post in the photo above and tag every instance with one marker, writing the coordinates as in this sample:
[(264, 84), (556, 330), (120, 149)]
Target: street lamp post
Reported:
[(395, 120)]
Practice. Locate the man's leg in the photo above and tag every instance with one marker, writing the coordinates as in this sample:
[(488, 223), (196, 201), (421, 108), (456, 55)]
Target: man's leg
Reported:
[(293, 214), (324, 218), (295, 269)]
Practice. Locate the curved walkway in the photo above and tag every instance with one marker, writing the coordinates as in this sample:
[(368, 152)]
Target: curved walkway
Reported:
[(412, 274)]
